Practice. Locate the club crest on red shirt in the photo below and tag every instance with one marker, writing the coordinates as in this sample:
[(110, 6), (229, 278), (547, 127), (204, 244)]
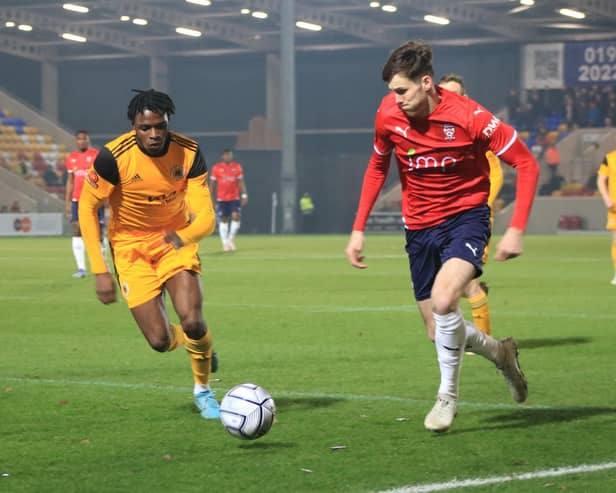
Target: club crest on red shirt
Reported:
[(450, 132)]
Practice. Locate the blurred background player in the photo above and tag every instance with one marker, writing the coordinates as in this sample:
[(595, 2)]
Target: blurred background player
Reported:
[(606, 184), (78, 163), (156, 184), (227, 184), (477, 292), (306, 208)]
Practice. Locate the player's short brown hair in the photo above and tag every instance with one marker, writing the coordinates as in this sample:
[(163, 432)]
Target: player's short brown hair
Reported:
[(453, 77), (413, 59)]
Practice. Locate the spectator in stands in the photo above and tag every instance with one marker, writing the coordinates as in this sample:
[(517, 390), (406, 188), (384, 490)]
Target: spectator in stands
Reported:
[(3, 209), (591, 182), (551, 156), (50, 176), (508, 190), (542, 136), (594, 115), (556, 182), (15, 207), (577, 107), (611, 112), (569, 110), (513, 103), (23, 168), (537, 108)]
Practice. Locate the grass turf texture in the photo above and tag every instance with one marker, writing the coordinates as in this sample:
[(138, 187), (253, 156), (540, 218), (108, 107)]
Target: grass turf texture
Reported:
[(86, 406)]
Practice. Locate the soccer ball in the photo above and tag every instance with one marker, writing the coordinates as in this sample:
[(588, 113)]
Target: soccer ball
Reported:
[(247, 411)]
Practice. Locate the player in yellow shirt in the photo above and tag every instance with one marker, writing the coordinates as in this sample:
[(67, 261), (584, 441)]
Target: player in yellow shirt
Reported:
[(477, 292), (606, 184), (155, 182)]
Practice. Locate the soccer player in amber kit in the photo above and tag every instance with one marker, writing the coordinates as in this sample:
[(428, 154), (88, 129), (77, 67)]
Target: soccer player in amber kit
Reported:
[(606, 184), (156, 184), (476, 292), (440, 140)]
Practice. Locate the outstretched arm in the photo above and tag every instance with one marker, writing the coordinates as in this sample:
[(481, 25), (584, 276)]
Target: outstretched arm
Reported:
[(518, 156), (374, 179)]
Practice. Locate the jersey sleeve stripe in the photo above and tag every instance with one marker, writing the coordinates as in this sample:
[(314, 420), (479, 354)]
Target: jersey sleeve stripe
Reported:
[(188, 140), (509, 144), (379, 152), (185, 142), (123, 142), (125, 146)]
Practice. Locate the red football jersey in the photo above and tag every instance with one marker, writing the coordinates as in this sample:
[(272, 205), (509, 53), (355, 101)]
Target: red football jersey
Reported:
[(78, 163), (226, 176), (441, 160)]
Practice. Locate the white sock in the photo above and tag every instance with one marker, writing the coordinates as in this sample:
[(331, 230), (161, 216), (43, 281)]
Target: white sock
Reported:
[(198, 388), (449, 340), (235, 227), (223, 231), (104, 243), (480, 343), (79, 251)]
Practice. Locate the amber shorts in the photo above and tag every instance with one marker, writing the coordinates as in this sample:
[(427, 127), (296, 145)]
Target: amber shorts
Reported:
[(144, 262)]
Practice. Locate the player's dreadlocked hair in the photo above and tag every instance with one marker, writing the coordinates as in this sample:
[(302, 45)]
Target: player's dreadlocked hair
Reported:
[(152, 100)]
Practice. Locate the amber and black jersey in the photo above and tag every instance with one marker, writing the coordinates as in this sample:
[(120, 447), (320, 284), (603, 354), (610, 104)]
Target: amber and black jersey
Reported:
[(147, 193)]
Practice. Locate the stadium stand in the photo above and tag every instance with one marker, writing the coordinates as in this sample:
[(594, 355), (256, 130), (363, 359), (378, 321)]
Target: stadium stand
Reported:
[(30, 157)]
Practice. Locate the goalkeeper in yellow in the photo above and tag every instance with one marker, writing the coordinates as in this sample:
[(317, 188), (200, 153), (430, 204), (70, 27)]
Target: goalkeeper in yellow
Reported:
[(477, 292), (155, 182), (606, 184)]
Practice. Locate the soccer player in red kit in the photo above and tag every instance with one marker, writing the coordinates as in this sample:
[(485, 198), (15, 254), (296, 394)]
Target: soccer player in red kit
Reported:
[(77, 165), (227, 185), (440, 140)]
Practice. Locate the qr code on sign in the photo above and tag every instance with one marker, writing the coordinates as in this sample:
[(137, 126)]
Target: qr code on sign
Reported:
[(547, 65)]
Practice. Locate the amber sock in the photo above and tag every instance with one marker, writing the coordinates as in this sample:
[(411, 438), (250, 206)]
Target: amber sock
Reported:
[(200, 352), (176, 334), (481, 313)]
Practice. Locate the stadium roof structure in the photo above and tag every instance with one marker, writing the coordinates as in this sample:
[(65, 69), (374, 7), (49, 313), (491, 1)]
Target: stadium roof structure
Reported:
[(54, 31)]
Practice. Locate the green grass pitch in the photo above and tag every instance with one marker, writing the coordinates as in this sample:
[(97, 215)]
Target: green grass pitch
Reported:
[(86, 406)]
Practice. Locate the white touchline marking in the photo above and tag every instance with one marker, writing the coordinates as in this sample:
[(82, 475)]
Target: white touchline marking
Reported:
[(282, 393), (399, 308), (470, 483)]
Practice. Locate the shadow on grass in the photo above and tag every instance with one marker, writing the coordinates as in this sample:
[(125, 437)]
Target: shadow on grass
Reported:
[(288, 404), (551, 342), (304, 403), (525, 418), (266, 445)]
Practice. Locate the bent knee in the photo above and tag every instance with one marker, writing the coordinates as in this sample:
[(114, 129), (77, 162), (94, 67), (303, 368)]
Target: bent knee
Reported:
[(444, 304), (160, 344), (194, 329)]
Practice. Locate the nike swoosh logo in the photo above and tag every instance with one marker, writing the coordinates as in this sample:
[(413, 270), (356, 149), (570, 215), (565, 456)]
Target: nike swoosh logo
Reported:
[(450, 348)]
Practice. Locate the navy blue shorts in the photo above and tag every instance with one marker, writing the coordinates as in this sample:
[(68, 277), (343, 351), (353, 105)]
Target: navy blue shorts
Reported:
[(75, 213), (463, 236), (224, 208)]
